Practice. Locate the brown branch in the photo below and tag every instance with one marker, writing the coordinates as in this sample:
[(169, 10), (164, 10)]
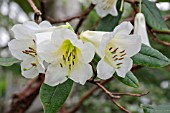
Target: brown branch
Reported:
[(160, 32), (37, 13), (166, 17), (82, 15), (130, 94), (22, 101)]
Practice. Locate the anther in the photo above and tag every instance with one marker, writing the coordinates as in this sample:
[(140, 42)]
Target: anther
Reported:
[(110, 48), (120, 58), (61, 65), (119, 64), (114, 51), (114, 56), (122, 51), (123, 55), (33, 64), (73, 62), (116, 59), (70, 66), (64, 58), (34, 41)]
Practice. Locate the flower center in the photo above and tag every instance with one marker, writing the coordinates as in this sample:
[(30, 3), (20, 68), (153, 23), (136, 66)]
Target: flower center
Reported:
[(69, 54), (114, 56), (30, 51), (107, 4)]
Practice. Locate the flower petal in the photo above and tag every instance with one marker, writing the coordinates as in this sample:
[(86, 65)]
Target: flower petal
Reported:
[(81, 73), (30, 72), (125, 67), (96, 1), (87, 52), (130, 43), (17, 46), (113, 10), (45, 24), (55, 75), (102, 13), (104, 71), (61, 34), (123, 28), (46, 50)]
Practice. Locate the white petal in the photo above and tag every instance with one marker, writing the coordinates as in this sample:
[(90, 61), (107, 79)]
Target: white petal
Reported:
[(140, 28), (45, 24), (93, 37), (130, 43), (102, 13), (46, 50), (104, 71), (123, 28), (61, 34), (21, 32), (55, 75), (125, 67), (113, 10), (87, 52), (81, 73), (17, 46), (30, 73), (41, 37), (96, 1), (31, 25)]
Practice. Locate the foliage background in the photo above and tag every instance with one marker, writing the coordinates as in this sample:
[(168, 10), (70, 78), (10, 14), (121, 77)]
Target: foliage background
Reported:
[(154, 80)]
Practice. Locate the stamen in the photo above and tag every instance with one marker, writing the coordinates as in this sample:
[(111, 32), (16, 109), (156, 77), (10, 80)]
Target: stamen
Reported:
[(33, 64), (64, 58), (114, 51), (110, 48), (116, 59), (119, 63), (120, 58), (70, 66), (73, 62), (61, 65), (122, 51), (34, 41), (114, 56), (123, 55)]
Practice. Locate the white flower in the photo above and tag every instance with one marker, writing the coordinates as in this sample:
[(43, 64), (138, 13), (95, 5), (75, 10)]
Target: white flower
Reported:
[(25, 44), (115, 49), (140, 28), (105, 7), (67, 56)]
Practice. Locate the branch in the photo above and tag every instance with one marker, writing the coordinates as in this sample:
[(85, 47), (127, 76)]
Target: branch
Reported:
[(84, 97), (130, 94), (37, 13), (21, 101), (82, 15)]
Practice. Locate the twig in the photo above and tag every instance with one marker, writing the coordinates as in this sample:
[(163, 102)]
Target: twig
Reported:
[(22, 101), (94, 71), (121, 107), (130, 94), (84, 97), (160, 32), (82, 15), (37, 13)]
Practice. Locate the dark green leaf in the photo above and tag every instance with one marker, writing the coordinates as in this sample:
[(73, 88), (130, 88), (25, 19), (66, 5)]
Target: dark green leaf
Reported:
[(53, 98), (156, 109), (150, 57), (109, 22), (129, 80), (153, 16), (8, 61)]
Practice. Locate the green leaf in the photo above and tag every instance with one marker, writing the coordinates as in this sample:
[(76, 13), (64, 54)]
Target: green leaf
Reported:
[(156, 109), (129, 80), (153, 16), (8, 61), (109, 22), (53, 98), (150, 57)]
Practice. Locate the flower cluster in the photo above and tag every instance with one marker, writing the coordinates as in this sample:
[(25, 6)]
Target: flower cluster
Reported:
[(61, 54)]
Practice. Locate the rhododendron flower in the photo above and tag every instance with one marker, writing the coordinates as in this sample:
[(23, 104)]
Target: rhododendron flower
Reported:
[(105, 7), (140, 28), (115, 49), (25, 44), (67, 56)]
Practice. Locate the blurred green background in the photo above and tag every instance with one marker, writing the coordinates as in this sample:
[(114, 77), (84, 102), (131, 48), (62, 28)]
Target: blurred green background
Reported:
[(157, 81)]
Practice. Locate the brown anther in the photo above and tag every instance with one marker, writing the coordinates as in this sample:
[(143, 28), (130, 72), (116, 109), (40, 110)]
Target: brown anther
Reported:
[(33, 64), (74, 56), (122, 51), (70, 66), (114, 56), (116, 59), (119, 64), (73, 62), (34, 41), (114, 51), (120, 58), (110, 48), (64, 58), (61, 65), (123, 55)]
